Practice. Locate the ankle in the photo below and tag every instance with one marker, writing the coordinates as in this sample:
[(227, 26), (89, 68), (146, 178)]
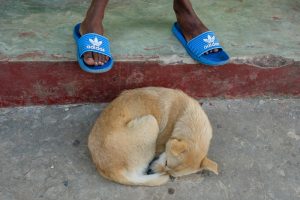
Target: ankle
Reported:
[(182, 7), (91, 23), (91, 27)]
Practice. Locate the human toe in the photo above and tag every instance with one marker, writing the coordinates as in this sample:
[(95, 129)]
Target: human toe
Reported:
[(88, 58)]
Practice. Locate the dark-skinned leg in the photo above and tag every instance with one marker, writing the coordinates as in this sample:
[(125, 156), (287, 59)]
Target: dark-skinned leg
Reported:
[(190, 24), (93, 24)]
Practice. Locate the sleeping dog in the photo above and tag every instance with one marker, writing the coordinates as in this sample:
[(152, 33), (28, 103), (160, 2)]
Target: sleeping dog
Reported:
[(151, 122)]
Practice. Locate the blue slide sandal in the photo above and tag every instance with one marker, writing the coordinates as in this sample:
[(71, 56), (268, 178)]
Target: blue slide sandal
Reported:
[(92, 42), (200, 44)]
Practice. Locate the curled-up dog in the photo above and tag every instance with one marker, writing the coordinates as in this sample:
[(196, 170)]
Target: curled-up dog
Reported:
[(150, 122)]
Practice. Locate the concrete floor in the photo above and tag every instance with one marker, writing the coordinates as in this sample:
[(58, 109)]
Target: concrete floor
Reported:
[(43, 154), (140, 29)]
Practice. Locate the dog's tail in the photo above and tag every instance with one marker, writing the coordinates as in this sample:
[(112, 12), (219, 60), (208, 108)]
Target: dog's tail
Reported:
[(143, 179)]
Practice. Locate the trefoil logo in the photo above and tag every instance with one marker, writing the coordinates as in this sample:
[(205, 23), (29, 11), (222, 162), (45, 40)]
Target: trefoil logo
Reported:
[(210, 40), (95, 44)]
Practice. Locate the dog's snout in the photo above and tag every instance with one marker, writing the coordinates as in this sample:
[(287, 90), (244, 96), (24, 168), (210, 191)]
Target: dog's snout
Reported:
[(150, 171)]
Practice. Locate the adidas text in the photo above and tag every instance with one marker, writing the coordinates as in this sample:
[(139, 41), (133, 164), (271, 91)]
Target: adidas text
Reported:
[(211, 45), (95, 47)]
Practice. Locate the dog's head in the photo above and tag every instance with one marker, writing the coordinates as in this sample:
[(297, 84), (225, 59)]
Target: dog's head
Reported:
[(184, 157)]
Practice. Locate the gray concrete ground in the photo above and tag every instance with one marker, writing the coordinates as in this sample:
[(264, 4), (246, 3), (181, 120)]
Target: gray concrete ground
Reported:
[(43, 154)]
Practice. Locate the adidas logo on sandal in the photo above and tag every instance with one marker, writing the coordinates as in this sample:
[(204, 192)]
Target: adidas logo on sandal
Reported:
[(95, 44), (210, 42)]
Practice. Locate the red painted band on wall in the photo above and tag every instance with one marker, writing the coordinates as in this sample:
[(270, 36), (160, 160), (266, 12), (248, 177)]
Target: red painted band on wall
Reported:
[(35, 83)]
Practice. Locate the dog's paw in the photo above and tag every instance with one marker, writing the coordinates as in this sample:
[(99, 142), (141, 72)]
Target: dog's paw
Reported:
[(158, 165)]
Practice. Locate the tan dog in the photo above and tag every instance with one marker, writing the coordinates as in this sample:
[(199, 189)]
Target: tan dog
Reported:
[(145, 122)]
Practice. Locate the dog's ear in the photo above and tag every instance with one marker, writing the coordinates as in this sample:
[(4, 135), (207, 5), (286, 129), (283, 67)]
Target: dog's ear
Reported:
[(209, 165), (178, 147)]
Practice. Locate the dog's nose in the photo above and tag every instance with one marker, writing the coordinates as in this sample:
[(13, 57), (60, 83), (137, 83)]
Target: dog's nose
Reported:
[(149, 171)]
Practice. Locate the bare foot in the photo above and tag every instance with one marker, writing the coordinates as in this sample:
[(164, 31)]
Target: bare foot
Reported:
[(189, 23), (92, 58)]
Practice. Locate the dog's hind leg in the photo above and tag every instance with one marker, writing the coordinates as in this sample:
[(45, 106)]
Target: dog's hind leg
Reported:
[(140, 135), (145, 130)]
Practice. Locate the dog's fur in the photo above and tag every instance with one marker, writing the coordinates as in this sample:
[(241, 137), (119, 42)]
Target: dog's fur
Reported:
[(145, 122)]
